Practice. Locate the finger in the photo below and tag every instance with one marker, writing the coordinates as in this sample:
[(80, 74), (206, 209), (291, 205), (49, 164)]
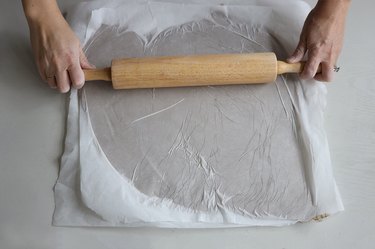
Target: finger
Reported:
[(42, 70), (77, 78), (84, 61), (327, 73), (311, 67), (49, 77), (63, 81), (298, 53), (51, 80)]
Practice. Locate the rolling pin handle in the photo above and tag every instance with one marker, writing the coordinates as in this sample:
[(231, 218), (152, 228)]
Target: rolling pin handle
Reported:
[(284, 67), (98, 74)]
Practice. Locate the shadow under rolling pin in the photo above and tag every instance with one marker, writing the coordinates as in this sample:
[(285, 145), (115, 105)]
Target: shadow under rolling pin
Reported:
[(193, 70)]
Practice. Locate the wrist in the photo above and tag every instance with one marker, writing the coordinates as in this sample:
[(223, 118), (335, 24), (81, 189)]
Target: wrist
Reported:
[(333, 5), (335, 1), (331, 9), (39, 12)]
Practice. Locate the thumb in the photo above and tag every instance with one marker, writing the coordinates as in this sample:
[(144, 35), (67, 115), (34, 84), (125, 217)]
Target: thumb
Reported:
[(299, 52), (85, 64)]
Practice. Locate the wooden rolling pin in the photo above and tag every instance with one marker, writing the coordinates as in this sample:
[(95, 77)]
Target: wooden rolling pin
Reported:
[(193, 70)]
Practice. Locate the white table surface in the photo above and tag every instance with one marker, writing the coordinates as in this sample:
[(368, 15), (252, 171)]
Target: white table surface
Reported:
[(32, 126)]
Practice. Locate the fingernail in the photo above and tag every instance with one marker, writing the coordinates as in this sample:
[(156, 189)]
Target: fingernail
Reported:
[(64, 90), (79, 85)]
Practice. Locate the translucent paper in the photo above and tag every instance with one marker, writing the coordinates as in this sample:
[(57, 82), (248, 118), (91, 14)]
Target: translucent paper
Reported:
[(208, 156)]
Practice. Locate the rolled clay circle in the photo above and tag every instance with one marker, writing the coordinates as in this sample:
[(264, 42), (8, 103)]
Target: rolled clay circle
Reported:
[(202, 147)]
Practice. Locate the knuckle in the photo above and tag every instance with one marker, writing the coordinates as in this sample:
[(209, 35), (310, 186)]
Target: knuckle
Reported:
[(314, 53), (325, 42), (69, 57), (55, 61), (322, 43), (61, 61)]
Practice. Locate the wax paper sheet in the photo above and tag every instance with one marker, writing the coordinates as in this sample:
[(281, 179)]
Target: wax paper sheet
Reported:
[(208, 156)]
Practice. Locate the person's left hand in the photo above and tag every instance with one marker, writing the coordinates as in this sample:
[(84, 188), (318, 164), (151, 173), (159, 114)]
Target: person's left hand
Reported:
[(321, 39)]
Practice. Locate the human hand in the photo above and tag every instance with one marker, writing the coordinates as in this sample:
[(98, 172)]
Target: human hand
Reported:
[(57, 50), (321, 39)]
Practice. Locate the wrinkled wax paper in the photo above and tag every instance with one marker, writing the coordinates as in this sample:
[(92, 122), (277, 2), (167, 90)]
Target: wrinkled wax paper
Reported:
[(208, 156)]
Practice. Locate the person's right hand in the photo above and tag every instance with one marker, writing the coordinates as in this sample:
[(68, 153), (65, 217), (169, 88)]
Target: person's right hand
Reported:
[(57, 50), (322, 39)]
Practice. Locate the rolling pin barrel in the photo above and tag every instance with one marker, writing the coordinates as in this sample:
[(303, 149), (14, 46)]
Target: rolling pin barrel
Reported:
[(193, 70)]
